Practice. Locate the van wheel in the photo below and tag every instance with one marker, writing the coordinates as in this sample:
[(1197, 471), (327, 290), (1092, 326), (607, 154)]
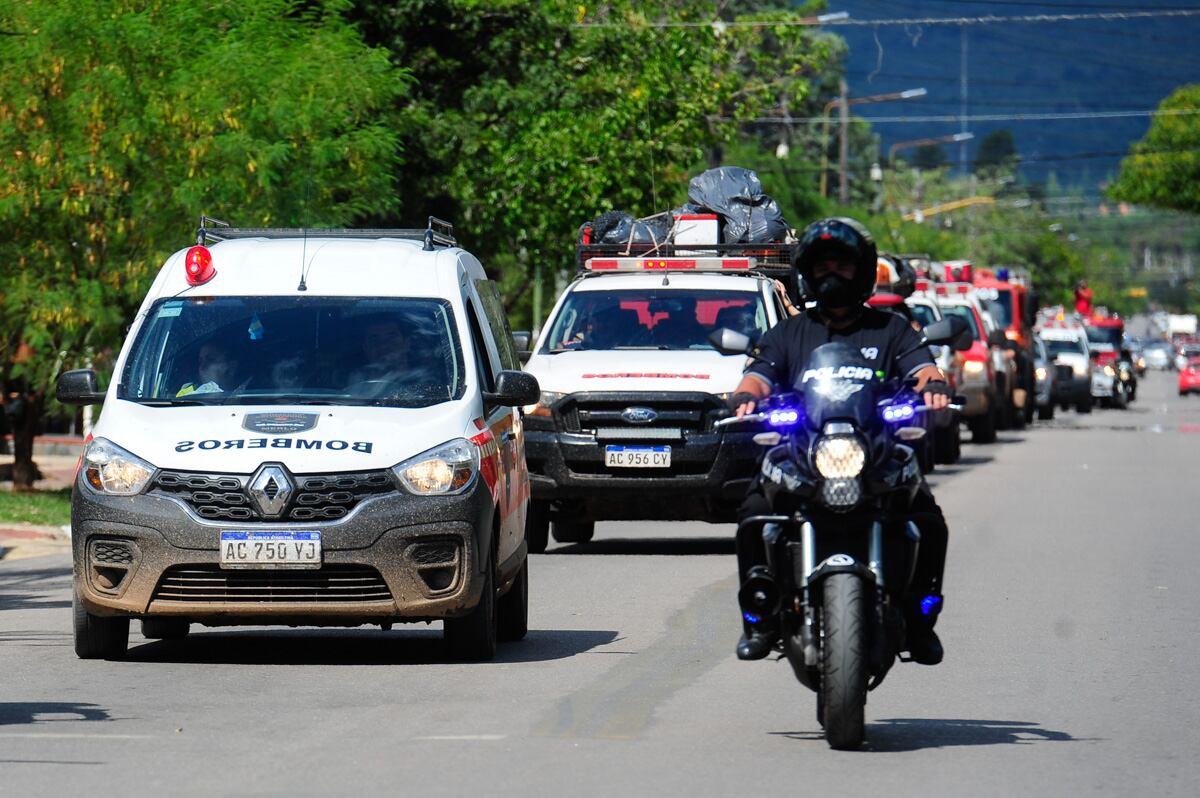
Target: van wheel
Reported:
[(513, 613), (97, 637), (1046, 412), (1084, 407), (165, 628), (573, 531), (473, 637), (947, 445), (537, 527)]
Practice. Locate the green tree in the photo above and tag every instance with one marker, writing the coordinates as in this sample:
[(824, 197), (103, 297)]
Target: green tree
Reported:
[(996, 150), (534, 117), (1163, 169), (929, 156), (121, 122)]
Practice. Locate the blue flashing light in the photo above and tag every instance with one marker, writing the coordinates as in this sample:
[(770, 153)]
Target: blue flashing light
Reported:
[(750, 618), (931, 605), (1002, 275), (783, 417), (897, 413)]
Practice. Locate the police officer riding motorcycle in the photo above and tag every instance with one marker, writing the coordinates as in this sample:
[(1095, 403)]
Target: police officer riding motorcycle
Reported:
[(840, 543)]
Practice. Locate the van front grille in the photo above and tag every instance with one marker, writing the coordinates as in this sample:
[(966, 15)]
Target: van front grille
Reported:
[(208, 584), (318, 497)]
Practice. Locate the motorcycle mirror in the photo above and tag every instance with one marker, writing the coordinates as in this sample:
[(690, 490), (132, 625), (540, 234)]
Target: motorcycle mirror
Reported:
[(728, 342)]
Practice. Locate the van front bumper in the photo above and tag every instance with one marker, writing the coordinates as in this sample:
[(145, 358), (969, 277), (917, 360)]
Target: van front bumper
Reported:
[(394, 557)]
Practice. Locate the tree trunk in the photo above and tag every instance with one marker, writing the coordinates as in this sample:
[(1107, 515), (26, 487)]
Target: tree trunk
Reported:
[(25, 425)]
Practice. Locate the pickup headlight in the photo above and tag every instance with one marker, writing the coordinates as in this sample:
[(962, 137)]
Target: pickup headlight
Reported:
[(1040, 373), (1080, 369), (443, 470), (839, 457), (110, 469), (542, 407)]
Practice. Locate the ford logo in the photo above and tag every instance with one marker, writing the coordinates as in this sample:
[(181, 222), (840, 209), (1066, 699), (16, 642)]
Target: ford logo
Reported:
[(638, 415)]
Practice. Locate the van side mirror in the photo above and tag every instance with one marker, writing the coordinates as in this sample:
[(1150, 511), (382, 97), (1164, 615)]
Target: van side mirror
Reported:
[(522, 339), (729, 342), (946, 331), (78, 387), (513, 389)]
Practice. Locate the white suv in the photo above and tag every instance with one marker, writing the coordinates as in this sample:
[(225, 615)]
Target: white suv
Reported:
[(307, 428)]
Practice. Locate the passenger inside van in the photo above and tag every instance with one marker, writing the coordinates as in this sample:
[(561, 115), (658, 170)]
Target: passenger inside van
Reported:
[(216, 369)]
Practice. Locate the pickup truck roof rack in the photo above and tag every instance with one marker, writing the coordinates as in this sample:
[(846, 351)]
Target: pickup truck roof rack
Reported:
[(436, 233)]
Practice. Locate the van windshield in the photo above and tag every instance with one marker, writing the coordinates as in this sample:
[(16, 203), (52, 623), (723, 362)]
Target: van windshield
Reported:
[(669, 318), (1064, 347), (966, 314), (295, 350)]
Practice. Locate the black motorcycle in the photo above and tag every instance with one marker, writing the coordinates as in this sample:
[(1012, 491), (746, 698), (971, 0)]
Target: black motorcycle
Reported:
[(840, 475)]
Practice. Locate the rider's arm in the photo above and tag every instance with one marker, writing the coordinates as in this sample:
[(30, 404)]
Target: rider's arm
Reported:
[(750, 391), (932, 374)]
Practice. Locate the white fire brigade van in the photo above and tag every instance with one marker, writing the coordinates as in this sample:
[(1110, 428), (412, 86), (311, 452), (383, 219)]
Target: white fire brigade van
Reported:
[(307, 428), (632, 385)]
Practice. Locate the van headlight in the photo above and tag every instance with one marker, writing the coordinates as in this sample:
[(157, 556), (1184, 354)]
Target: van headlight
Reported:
[(542, 407), (1080, 369), (839, 457), (110, 469), (974, 367), (443, 470)]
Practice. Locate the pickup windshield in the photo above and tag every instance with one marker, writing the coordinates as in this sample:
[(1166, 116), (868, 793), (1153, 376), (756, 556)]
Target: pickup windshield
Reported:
[(667, 318), (289, 350)]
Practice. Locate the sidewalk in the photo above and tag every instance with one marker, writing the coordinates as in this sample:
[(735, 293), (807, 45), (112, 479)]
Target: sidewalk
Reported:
[(18, 541)]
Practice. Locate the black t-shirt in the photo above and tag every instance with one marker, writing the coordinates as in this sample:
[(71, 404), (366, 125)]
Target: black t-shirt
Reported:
[(784, 350)]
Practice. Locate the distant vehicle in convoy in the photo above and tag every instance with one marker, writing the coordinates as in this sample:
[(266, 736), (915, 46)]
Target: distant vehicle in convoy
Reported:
[(1067, 345), (1105, 336), (1158, 356), (1009, 300), (1189, 376), (1048, 375), (986, 371), (947, 438), (337, 448), (632, 387)]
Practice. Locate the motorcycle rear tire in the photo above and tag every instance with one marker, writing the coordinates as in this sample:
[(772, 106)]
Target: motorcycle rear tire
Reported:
[(844, 660), (573, 531)]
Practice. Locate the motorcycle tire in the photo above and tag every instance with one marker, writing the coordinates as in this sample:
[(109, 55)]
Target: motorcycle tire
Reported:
[(947, 445), (1120, 399), (844, 660), (1046, 412), (983, 428)]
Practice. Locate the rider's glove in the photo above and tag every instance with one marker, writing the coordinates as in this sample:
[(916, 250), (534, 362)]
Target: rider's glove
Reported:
[(740, 398), (939, 387)]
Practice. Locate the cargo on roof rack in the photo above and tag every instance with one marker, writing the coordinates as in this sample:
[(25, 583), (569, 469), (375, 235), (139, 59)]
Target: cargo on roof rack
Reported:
[(437, 232)]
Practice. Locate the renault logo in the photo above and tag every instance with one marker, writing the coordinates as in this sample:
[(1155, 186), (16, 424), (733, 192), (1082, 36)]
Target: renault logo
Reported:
[(271, 489), (639, 415)]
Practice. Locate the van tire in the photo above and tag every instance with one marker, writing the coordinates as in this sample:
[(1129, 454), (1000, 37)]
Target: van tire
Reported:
[(473, 636), (1084, 407), (537, 527), (97, 637), (983, 428), (573, 531), (1046, 412), (513, 613), (165, 628)]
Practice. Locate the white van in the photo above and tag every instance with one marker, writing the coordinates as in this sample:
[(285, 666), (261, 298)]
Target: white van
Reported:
[(307, 428)]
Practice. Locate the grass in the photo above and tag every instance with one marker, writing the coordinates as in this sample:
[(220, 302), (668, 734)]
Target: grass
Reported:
[(43, 507)]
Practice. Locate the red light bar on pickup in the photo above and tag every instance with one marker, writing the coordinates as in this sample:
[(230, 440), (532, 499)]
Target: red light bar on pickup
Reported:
[(668, 264)]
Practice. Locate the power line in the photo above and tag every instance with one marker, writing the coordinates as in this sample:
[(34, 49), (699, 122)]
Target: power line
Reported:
[(954, 118), (719, 24)]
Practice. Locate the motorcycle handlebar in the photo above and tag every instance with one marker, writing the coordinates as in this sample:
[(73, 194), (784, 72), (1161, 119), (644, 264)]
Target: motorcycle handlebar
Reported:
[(725, 422)]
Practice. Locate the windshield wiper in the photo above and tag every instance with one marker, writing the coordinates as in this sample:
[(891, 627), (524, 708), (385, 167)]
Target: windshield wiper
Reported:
[(169, 402)]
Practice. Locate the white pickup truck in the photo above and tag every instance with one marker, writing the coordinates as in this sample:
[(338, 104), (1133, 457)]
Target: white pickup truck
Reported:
[(632, 386)]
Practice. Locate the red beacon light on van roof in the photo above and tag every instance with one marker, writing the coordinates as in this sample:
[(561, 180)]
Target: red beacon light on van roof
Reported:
[(198, 265)]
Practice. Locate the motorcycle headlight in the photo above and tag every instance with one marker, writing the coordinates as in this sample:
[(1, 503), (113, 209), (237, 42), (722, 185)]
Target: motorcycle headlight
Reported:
[(542, 406), (110, 469), (443, 470), (839, 457)]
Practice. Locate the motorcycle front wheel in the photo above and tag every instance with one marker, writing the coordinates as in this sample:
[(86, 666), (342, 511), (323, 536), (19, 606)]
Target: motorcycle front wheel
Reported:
[(844, 674)]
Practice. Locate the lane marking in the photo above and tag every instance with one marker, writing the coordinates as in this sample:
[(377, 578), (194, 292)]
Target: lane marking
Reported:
[(469, 737), (55, 736)]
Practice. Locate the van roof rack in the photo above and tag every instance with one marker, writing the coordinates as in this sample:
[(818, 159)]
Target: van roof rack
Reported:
[(437, 232)]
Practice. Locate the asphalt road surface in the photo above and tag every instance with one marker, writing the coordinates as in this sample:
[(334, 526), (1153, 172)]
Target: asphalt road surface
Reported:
[(1071, 628)]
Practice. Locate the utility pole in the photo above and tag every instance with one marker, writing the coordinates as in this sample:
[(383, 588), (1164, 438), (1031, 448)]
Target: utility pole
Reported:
[(844, 145), (962, 101)]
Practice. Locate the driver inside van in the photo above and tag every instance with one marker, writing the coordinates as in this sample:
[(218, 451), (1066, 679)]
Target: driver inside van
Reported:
[(216, 369), (385, 356)]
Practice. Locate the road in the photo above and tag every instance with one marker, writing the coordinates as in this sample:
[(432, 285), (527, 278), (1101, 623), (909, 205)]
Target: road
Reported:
[(1071, 629)]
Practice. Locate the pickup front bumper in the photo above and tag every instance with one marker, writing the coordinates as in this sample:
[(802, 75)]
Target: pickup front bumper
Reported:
[(709, 474)]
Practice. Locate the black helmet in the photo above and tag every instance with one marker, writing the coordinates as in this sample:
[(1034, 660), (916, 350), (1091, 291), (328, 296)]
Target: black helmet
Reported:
[(844, 239)]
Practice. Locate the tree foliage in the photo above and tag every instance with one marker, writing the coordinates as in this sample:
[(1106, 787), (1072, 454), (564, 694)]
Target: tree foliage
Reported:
[(996, 150), (1163, 169), (120, 122)]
